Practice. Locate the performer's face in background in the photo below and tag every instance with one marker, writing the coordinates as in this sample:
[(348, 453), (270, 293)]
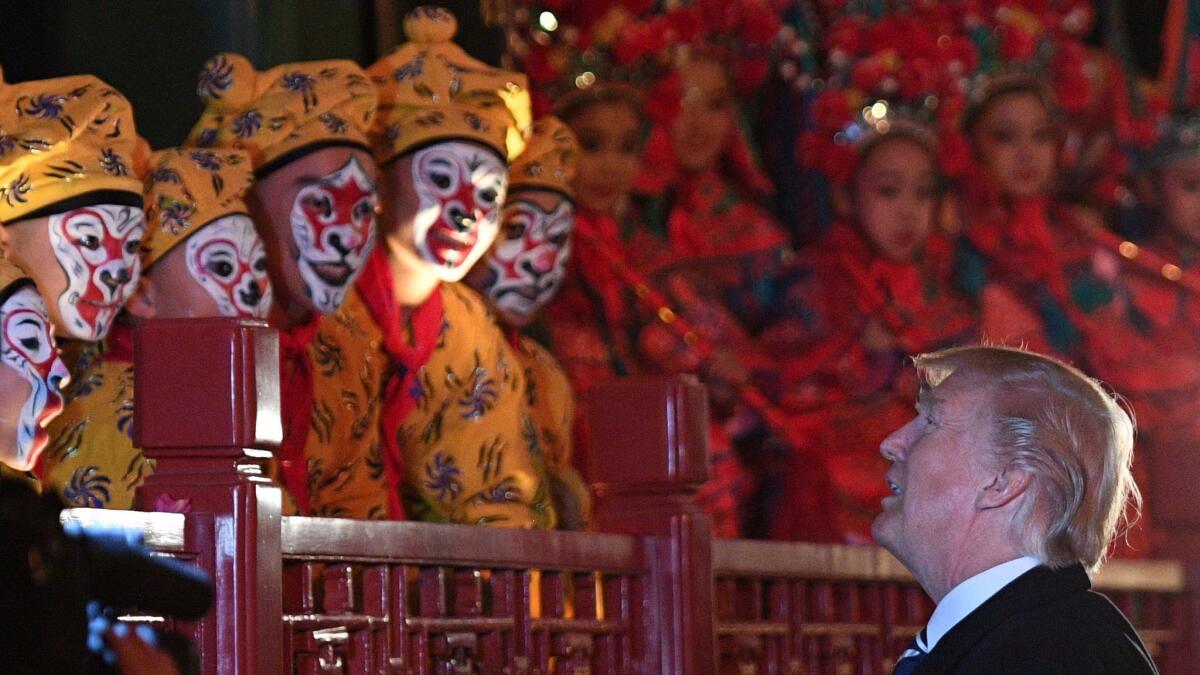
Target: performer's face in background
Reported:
[(610, 147), (220, 270), (86, 263), (317, 220), (443, 206), (1179, 196), (527, 264), (896, 197), (31, 375), (1014, 137), (705, 119)]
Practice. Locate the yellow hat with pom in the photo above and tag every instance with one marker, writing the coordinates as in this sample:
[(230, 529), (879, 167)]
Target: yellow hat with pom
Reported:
[(281, 114), (189, 188), (68, 142), (430, 90), (548, 161)]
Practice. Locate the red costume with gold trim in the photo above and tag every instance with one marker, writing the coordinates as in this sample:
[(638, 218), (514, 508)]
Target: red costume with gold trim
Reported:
[(863, 314)]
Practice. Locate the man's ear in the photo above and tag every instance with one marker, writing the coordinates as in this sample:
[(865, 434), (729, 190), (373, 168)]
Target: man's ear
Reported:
[(141, 303), (1005, 487)]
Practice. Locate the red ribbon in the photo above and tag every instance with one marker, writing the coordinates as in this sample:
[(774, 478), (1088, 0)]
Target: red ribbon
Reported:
[(296, 394), (409, 337)]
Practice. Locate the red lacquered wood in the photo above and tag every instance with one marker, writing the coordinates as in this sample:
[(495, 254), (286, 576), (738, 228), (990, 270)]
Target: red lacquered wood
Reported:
[(648, 454), (206, 404)]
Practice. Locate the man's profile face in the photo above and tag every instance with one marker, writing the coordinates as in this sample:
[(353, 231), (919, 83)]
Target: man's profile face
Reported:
[(936, 475)]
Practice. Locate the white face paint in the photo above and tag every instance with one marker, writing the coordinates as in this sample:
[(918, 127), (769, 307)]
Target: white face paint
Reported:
[(460, 187), (98, 248), (529, 260), (333, 223), (227, 259), (26, 346)]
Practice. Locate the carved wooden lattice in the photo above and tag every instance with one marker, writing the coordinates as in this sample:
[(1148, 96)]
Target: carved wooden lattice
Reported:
[(849, 610), (362, 597)]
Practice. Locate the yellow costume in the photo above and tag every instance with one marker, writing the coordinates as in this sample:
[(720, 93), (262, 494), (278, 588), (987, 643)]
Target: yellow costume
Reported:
[(65, 142), (333, 368), (548, 394), (547, 164), (471, 447), (343, 450), (461, 444), (91, 458)]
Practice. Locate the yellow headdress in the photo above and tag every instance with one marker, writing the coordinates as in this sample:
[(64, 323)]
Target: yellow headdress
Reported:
[(548, 162), (69, 139), (187, 189), (430, 90), (277, 115)]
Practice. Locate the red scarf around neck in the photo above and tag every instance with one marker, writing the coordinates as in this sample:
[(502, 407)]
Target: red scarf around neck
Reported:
[(410, 334), (296, 398)]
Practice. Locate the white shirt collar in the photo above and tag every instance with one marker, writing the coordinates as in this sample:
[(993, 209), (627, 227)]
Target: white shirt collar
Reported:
[(970, 594)]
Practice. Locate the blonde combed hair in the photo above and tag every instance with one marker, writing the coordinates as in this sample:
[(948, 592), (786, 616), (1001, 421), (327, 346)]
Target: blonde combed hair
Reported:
[(1070, 434)]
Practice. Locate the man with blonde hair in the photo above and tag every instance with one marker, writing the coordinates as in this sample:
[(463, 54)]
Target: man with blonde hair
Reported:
[(1007, 489)]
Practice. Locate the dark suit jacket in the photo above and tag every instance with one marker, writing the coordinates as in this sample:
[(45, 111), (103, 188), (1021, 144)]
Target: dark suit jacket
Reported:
[(1044, 622)]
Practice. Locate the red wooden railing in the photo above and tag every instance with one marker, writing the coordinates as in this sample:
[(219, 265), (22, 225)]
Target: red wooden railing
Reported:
[(653, 594)]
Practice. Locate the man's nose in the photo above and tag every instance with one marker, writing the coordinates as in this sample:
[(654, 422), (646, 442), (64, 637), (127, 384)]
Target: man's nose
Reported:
[(893, 447)]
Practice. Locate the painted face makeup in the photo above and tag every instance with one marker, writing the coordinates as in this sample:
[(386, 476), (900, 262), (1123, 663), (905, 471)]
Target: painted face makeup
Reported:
[(460, 187), (529, 260), (333, 222), (97, 247), (26, 347), (227, 259)]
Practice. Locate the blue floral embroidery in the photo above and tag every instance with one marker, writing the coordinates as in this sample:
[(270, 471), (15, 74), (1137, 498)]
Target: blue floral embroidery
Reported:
[(480, 396), (165, 174), (504, 492), (215, 78), (112, 163), (14, 193), (409, 70), (175, 214), (45, 106), (205, 159), (335, 124), (303, 84), (88, 488), (532, 439), (247, 124), (298, 82), (207, 138), (442, 477)]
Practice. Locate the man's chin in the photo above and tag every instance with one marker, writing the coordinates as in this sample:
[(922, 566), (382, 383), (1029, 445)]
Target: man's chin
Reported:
[(881, 531)]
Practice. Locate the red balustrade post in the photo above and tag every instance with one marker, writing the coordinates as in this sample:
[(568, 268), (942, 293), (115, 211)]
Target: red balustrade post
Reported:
[(647, 457), (206, 409)]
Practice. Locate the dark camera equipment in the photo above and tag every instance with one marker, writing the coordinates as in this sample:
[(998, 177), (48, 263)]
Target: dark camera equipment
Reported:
[(52, 575)]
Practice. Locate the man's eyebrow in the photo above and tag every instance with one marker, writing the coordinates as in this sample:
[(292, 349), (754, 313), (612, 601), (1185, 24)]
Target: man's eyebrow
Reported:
[(309, 179), (927, 400)]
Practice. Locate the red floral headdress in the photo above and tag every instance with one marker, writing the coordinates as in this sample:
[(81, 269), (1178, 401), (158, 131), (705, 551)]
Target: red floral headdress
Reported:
[(904, 72), (566, 45)]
